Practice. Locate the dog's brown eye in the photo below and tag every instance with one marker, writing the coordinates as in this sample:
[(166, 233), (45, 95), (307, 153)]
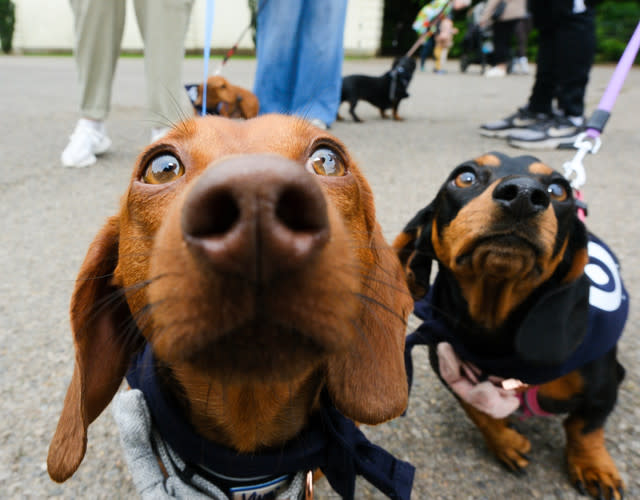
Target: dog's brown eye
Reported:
[(557, 191), (163, 169), (465, 179), (324, 161)]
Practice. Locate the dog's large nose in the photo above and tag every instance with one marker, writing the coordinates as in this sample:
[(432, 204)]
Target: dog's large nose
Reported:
[(256, 215), (522, 196)]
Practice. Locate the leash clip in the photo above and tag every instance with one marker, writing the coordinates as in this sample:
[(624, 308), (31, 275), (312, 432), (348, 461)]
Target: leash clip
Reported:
[(574, 169)]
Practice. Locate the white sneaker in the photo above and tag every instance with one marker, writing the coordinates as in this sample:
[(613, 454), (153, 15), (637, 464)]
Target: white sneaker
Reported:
[(317, 122), (495, 72), (158, 133), (88, 140), (524, 65)]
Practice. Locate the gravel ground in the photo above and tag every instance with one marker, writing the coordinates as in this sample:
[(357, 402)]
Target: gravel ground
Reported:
[(50, 214)]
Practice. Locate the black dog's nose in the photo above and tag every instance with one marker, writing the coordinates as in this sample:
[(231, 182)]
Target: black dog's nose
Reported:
[(522, 196)]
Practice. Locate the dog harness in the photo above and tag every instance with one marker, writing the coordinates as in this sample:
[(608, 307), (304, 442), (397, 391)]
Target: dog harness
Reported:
[(608, 310), (192, 92), (331, 442), (399, 77)]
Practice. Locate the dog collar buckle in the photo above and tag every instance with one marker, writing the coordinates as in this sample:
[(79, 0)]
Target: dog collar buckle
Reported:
[(510, 384), (308, 487)]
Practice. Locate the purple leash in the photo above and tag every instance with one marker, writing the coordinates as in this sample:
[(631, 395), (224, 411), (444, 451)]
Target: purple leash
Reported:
[(600, 116), (589, 141)]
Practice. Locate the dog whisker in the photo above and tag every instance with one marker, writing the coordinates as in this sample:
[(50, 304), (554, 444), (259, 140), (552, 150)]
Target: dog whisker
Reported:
[(381, 305)]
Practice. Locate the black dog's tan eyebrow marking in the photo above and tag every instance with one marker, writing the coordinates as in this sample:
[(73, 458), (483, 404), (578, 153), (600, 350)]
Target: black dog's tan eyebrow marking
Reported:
[(540, 168), (488, 160)]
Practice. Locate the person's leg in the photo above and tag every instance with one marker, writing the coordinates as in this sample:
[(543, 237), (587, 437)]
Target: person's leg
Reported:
[(521, 30), (437, 52), (543, 90), (575, 51), (544, 86), (444, 52), (318, 77), (276, 52), (163, 25), (502, 32), (426, 51), (98, 33)]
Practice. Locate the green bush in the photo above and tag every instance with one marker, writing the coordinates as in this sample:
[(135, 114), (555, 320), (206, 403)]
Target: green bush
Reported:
[(615, 23), (7, 23)]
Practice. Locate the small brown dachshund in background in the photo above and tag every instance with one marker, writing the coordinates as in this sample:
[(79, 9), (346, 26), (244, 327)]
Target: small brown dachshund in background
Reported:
[(525, 310), (227, 100), (247, 256)]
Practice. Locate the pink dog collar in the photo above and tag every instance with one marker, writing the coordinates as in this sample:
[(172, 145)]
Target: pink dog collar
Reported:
[(529, 406)]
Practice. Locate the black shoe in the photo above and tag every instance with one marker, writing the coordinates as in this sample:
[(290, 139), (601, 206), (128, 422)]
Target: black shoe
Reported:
[(557, 132), (521, 119)]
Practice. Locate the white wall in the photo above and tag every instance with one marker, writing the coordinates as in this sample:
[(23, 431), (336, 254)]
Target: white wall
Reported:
[(48, 25), (363, 29)]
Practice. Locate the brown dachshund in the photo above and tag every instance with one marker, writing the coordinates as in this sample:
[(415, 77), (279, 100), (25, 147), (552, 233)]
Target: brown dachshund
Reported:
[(247, 256), (525, 311), (227, 100)]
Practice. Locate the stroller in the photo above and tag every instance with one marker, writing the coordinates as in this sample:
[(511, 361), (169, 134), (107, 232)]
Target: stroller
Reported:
[(477, 43)]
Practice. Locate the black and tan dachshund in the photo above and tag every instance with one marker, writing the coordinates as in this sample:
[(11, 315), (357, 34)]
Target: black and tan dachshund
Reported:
[(384, 92), (527, 306)]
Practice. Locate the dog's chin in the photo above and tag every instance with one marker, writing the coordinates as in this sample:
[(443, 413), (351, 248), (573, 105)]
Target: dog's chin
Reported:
[(264, 352), (501, 258)]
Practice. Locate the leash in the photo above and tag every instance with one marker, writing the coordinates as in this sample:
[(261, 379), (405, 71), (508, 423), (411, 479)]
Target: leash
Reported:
[(589, 141), (207, 47), (208, 31), (396, 75), (233, 49)]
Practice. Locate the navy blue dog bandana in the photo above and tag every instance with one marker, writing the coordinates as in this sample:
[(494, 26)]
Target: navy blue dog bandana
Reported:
[(607, 313), (331, 442)]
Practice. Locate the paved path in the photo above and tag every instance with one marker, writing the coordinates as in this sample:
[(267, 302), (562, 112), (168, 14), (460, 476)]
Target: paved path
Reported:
[(48, 215)]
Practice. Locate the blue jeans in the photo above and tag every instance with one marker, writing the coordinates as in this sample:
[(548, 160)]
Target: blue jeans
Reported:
[(299, 48)]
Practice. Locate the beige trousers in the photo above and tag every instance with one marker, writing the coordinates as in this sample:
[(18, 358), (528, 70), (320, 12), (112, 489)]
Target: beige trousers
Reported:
[(163, 24)]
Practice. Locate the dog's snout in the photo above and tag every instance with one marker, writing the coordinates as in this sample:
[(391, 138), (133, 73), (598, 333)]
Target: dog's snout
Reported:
[(256, 214), (522, 196)]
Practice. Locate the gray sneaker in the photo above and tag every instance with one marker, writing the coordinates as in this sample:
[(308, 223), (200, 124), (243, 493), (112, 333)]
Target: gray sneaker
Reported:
[(521, 119), (556, 132)]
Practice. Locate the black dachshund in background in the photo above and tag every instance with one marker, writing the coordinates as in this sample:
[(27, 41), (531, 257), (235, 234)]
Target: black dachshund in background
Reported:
[(383, 92)]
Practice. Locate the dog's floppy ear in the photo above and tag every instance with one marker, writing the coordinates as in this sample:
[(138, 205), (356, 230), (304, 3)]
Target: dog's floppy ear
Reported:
[(98, 312), (415, 250), (198, 100), (576, 252), (555, 325), (369, 383), (558, 321)]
